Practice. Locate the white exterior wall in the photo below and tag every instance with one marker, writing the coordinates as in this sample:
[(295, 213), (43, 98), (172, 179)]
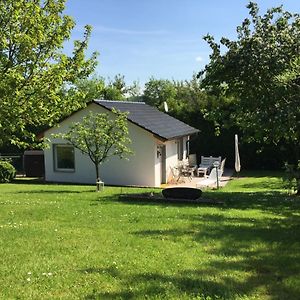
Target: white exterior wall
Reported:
[(172, 157), (139, 170)]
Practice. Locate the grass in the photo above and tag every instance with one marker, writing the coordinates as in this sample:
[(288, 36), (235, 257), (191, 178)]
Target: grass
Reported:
[(68, 242)]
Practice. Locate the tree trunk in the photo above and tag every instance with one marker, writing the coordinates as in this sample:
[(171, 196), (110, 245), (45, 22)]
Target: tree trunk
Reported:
[(97, 177)]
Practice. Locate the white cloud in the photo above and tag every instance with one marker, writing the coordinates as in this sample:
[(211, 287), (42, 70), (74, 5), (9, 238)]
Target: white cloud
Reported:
[(100, 28)]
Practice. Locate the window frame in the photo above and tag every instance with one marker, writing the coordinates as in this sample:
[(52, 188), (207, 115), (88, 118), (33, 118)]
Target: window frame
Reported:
[(180, 149), (55, 160)]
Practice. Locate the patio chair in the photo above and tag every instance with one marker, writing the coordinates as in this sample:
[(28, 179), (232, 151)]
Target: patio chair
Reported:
[(204, 166), (210, 180), (221, 168), (214, 159), (176, 174), (185, 170), (173, 175), (207, 164)]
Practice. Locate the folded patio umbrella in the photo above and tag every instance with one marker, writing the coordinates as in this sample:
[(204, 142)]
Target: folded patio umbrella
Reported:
[(237, 164)]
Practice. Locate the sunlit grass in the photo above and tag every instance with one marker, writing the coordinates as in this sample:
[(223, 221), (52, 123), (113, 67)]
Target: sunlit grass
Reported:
[(69, 242)]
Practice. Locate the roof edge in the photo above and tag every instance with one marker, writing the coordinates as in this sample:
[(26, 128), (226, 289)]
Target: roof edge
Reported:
[(114, 101), (97, 101), (155, 134)]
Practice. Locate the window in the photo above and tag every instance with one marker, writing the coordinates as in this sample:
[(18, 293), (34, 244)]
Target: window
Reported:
[(64, 158), (180, 148)]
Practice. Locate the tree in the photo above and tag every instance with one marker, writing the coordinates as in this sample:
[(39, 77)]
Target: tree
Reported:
[(33, 68), (116, 89), (158, 91), (245, 75), (84, 90), (90, 88), (95, 87), (290, 80), (100, 137), (184, 98)]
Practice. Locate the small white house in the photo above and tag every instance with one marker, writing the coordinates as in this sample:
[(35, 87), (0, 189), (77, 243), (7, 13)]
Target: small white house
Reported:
[(158, 142)]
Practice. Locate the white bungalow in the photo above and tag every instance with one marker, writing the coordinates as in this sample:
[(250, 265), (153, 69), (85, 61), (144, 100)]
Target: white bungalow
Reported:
[(158, 142)]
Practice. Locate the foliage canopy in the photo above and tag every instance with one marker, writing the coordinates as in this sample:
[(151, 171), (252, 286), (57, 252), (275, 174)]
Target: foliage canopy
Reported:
[(247, 76), (33, 68), (100, 137)]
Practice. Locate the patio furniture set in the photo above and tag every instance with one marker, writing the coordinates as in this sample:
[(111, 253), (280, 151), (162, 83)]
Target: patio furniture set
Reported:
[(208, 167)]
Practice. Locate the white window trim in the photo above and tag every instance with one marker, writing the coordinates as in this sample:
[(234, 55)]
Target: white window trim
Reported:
[(56, 168)]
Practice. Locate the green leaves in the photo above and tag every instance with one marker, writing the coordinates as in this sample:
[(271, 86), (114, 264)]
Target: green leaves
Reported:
[(181, 96), (100, 136), (7, 171), (33, 68), (249, 71)]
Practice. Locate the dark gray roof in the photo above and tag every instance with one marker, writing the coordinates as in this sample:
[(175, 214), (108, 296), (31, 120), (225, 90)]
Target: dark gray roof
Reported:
[(150, 118)]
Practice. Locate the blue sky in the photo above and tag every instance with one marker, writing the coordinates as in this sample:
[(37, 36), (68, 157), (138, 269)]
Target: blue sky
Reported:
[(159, 38)]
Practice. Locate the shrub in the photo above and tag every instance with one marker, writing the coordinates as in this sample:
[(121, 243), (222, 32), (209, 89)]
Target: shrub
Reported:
[(7, 171)]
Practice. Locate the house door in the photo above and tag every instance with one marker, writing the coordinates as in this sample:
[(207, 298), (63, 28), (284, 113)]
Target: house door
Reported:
[(163, 165)]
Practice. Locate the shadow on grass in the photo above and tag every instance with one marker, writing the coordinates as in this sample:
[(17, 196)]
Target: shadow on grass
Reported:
[(263, 246), (148, 285), (160, 286), (58, 191), (104, 200), (25, 180), (254, 254), (274, 202), (109, 199), (162, 203), (242, 231), (258, 174), (200, 284), (114, 199), (271, 186), (243, 256)]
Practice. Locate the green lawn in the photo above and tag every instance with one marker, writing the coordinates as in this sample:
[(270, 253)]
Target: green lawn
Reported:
[(69, 242)]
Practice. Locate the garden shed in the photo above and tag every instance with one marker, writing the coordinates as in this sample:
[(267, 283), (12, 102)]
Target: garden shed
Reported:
[(158, 142)]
